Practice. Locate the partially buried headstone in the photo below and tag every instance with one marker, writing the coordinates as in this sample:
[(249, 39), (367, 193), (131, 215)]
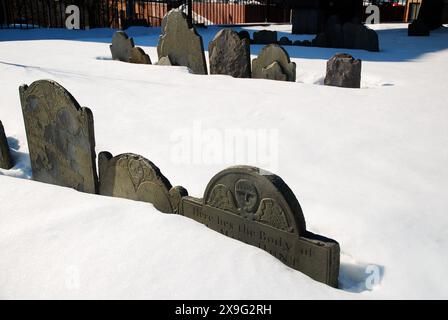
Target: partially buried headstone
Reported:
[(263, 67), (139, 56), (121, 47), (181, 43), (133, 177), (265, 37), (258, 208), (284, 41), (60, 136), (229, 54), (343, 71), (5, 156)]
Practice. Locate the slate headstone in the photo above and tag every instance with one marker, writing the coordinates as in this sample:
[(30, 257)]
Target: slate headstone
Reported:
[(5, 155), (268, 55), (229, 54), (133, 177), (139, 56), (181, 43), (60, 136), (343, 71), (265, 37), (258, 208), (121, 47)]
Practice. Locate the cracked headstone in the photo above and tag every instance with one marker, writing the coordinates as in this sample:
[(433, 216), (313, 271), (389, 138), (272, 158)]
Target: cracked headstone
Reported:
[(343, 71), (5, 155), (121, 47), (268, 55), (60, 136), (133, 177), (229, 54), (273, 72), (181, 43), (258, 208)]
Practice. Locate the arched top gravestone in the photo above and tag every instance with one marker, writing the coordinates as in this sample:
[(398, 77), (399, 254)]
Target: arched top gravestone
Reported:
[(181, 43), (5, 156), (273, 63), (60, 136), (133, 177), (258, 208)]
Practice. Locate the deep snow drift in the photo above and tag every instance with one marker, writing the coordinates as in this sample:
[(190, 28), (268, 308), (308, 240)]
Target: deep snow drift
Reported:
[(368, 166)]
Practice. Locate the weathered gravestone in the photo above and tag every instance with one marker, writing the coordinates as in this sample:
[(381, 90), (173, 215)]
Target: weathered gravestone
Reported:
[(272, 63), (181, 43), (133, 177), (258, 208), (343, 71), (265, 37), (121, 47), (229, 54), (60, 136), (139, 56), (5, 156)]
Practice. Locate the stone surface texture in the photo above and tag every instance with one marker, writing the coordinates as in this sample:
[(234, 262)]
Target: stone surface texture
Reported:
[(5, 155), (268, 55), (121, 47), (343, 71)]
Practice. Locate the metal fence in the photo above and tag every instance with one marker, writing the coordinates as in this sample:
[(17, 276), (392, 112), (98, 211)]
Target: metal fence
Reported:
[(123, 13)]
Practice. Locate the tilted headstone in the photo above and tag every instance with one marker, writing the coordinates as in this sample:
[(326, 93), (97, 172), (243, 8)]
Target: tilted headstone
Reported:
[(229, 54), (164, 61), (5, 156), (343, 71), (265, 37), (60, 136), (181, 43), (258, 208), (270, 54), (121, 47), (139, 56), (133, 177)]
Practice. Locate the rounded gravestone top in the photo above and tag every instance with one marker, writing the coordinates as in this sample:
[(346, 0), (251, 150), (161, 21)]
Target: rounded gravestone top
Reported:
[(256, 195)]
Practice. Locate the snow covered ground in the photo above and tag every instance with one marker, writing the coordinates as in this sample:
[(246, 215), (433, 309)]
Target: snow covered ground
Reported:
[(368, 166)]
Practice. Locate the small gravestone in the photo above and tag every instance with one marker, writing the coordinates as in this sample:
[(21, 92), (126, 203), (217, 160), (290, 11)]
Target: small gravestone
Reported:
[(5, 156), (60, 136), (133, 177), (273, 72), (343, 71), (139, 56), (229, 54), (268, 55), (265, 37), (418, 28), (181, 43), (284, 41), (121, 47), (258, 208), (164, 61)]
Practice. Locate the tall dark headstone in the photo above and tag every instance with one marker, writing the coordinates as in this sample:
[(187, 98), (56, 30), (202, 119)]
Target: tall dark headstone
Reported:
[(258, 208), (5, 156), (229, 54), (133, 177), (265, 37), (60, 136)]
